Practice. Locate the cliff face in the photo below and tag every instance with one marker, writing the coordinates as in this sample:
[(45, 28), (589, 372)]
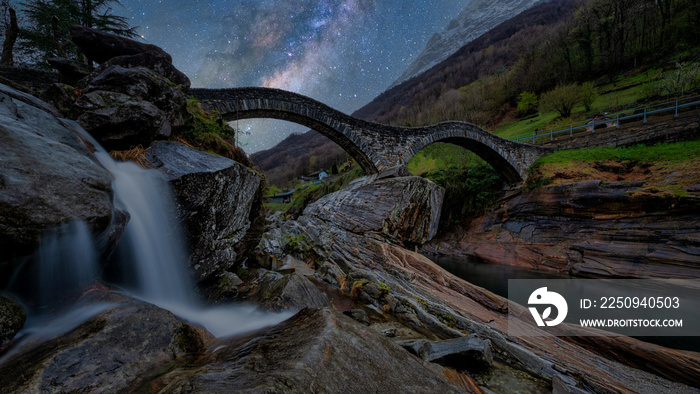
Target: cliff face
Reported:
[(588, 228), (478, 17)]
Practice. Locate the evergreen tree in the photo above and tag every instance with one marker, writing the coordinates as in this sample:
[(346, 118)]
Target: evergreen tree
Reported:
[(48, 22)]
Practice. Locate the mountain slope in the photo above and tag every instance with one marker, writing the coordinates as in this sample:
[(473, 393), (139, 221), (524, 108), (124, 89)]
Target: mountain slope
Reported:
[(478, 17), (486, 55), (296, 155)]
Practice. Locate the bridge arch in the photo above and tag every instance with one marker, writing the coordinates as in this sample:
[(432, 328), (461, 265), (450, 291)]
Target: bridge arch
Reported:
[(339, 136), (260, 103), (504, 156), (374, 146)]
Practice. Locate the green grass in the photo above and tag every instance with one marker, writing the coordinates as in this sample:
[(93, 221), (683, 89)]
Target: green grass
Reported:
[(441, 155), (679, 151), (607, 102), (525, 126), (305, 195)]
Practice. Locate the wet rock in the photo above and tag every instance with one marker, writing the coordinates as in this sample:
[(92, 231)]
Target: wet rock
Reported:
[(21, 95), (359, 316), (316, 350), (403, 208), (470, 352), (107, 353), (214, 197), (12, 318), (48, 177), (278, 292), (588, 228)]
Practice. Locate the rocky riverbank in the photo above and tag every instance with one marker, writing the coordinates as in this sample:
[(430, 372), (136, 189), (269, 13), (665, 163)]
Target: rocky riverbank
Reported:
[(371, 314), (588, 228)]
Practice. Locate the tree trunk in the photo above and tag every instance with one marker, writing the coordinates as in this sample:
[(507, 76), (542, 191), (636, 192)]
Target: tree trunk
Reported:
[(57, 37), (10, 38)]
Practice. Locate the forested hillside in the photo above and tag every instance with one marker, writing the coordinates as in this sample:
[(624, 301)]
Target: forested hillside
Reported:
[(296, 155), (556, 43)]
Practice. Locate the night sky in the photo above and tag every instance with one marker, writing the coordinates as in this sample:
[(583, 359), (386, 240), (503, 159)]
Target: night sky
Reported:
[(340, 52)]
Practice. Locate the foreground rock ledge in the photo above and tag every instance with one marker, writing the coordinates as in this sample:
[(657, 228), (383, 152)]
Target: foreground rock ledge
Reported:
[(426, 298), (107, 353), (215, 198), (317, 350)]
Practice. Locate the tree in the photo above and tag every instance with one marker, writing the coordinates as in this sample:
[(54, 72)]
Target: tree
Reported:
[(562, 99), (686, 77), (527, 102), (11, 33), (334, 169), (589, 94), (48, 23)]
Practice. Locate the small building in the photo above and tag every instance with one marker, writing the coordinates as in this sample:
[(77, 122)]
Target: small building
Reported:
[(315, 176), (282, 198)]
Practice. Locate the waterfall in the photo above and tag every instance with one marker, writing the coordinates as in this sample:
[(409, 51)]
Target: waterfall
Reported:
[(152, 254), (67, 263), (152, 246)]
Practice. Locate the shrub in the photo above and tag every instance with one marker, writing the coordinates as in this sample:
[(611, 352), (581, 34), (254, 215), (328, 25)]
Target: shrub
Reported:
[(589, 94), (527, 103), (562, 99), (206, 131), (468, 191)]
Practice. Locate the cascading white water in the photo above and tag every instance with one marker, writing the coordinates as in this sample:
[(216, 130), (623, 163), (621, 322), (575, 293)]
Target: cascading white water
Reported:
[(152, 247), (155, 250), (67, 263)]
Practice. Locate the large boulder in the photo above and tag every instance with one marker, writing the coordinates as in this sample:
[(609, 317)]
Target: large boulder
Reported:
[(47, 177), (215, 198), (318, 350), (12, 318), (278, 292), (118, 121), (110, 50), (156, 61), (100, 46), (70, 71), (400, 207), (108, 353), (125, 107)]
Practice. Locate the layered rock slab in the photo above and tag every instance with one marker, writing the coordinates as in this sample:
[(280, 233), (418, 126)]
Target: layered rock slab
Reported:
[(429, 300), (215, 197), (393, 204), (317, 350), (587, 228)]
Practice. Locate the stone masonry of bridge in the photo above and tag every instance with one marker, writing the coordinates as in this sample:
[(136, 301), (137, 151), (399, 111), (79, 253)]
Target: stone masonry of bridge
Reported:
[(374, 146)]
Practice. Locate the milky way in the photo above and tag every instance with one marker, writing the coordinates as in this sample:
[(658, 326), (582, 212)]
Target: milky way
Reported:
[(340, 52)]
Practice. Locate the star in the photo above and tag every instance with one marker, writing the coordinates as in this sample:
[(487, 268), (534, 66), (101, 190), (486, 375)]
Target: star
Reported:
[(341, 52)]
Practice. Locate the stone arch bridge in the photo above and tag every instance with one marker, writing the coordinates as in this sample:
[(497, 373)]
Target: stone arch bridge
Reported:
[(376, 147)]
